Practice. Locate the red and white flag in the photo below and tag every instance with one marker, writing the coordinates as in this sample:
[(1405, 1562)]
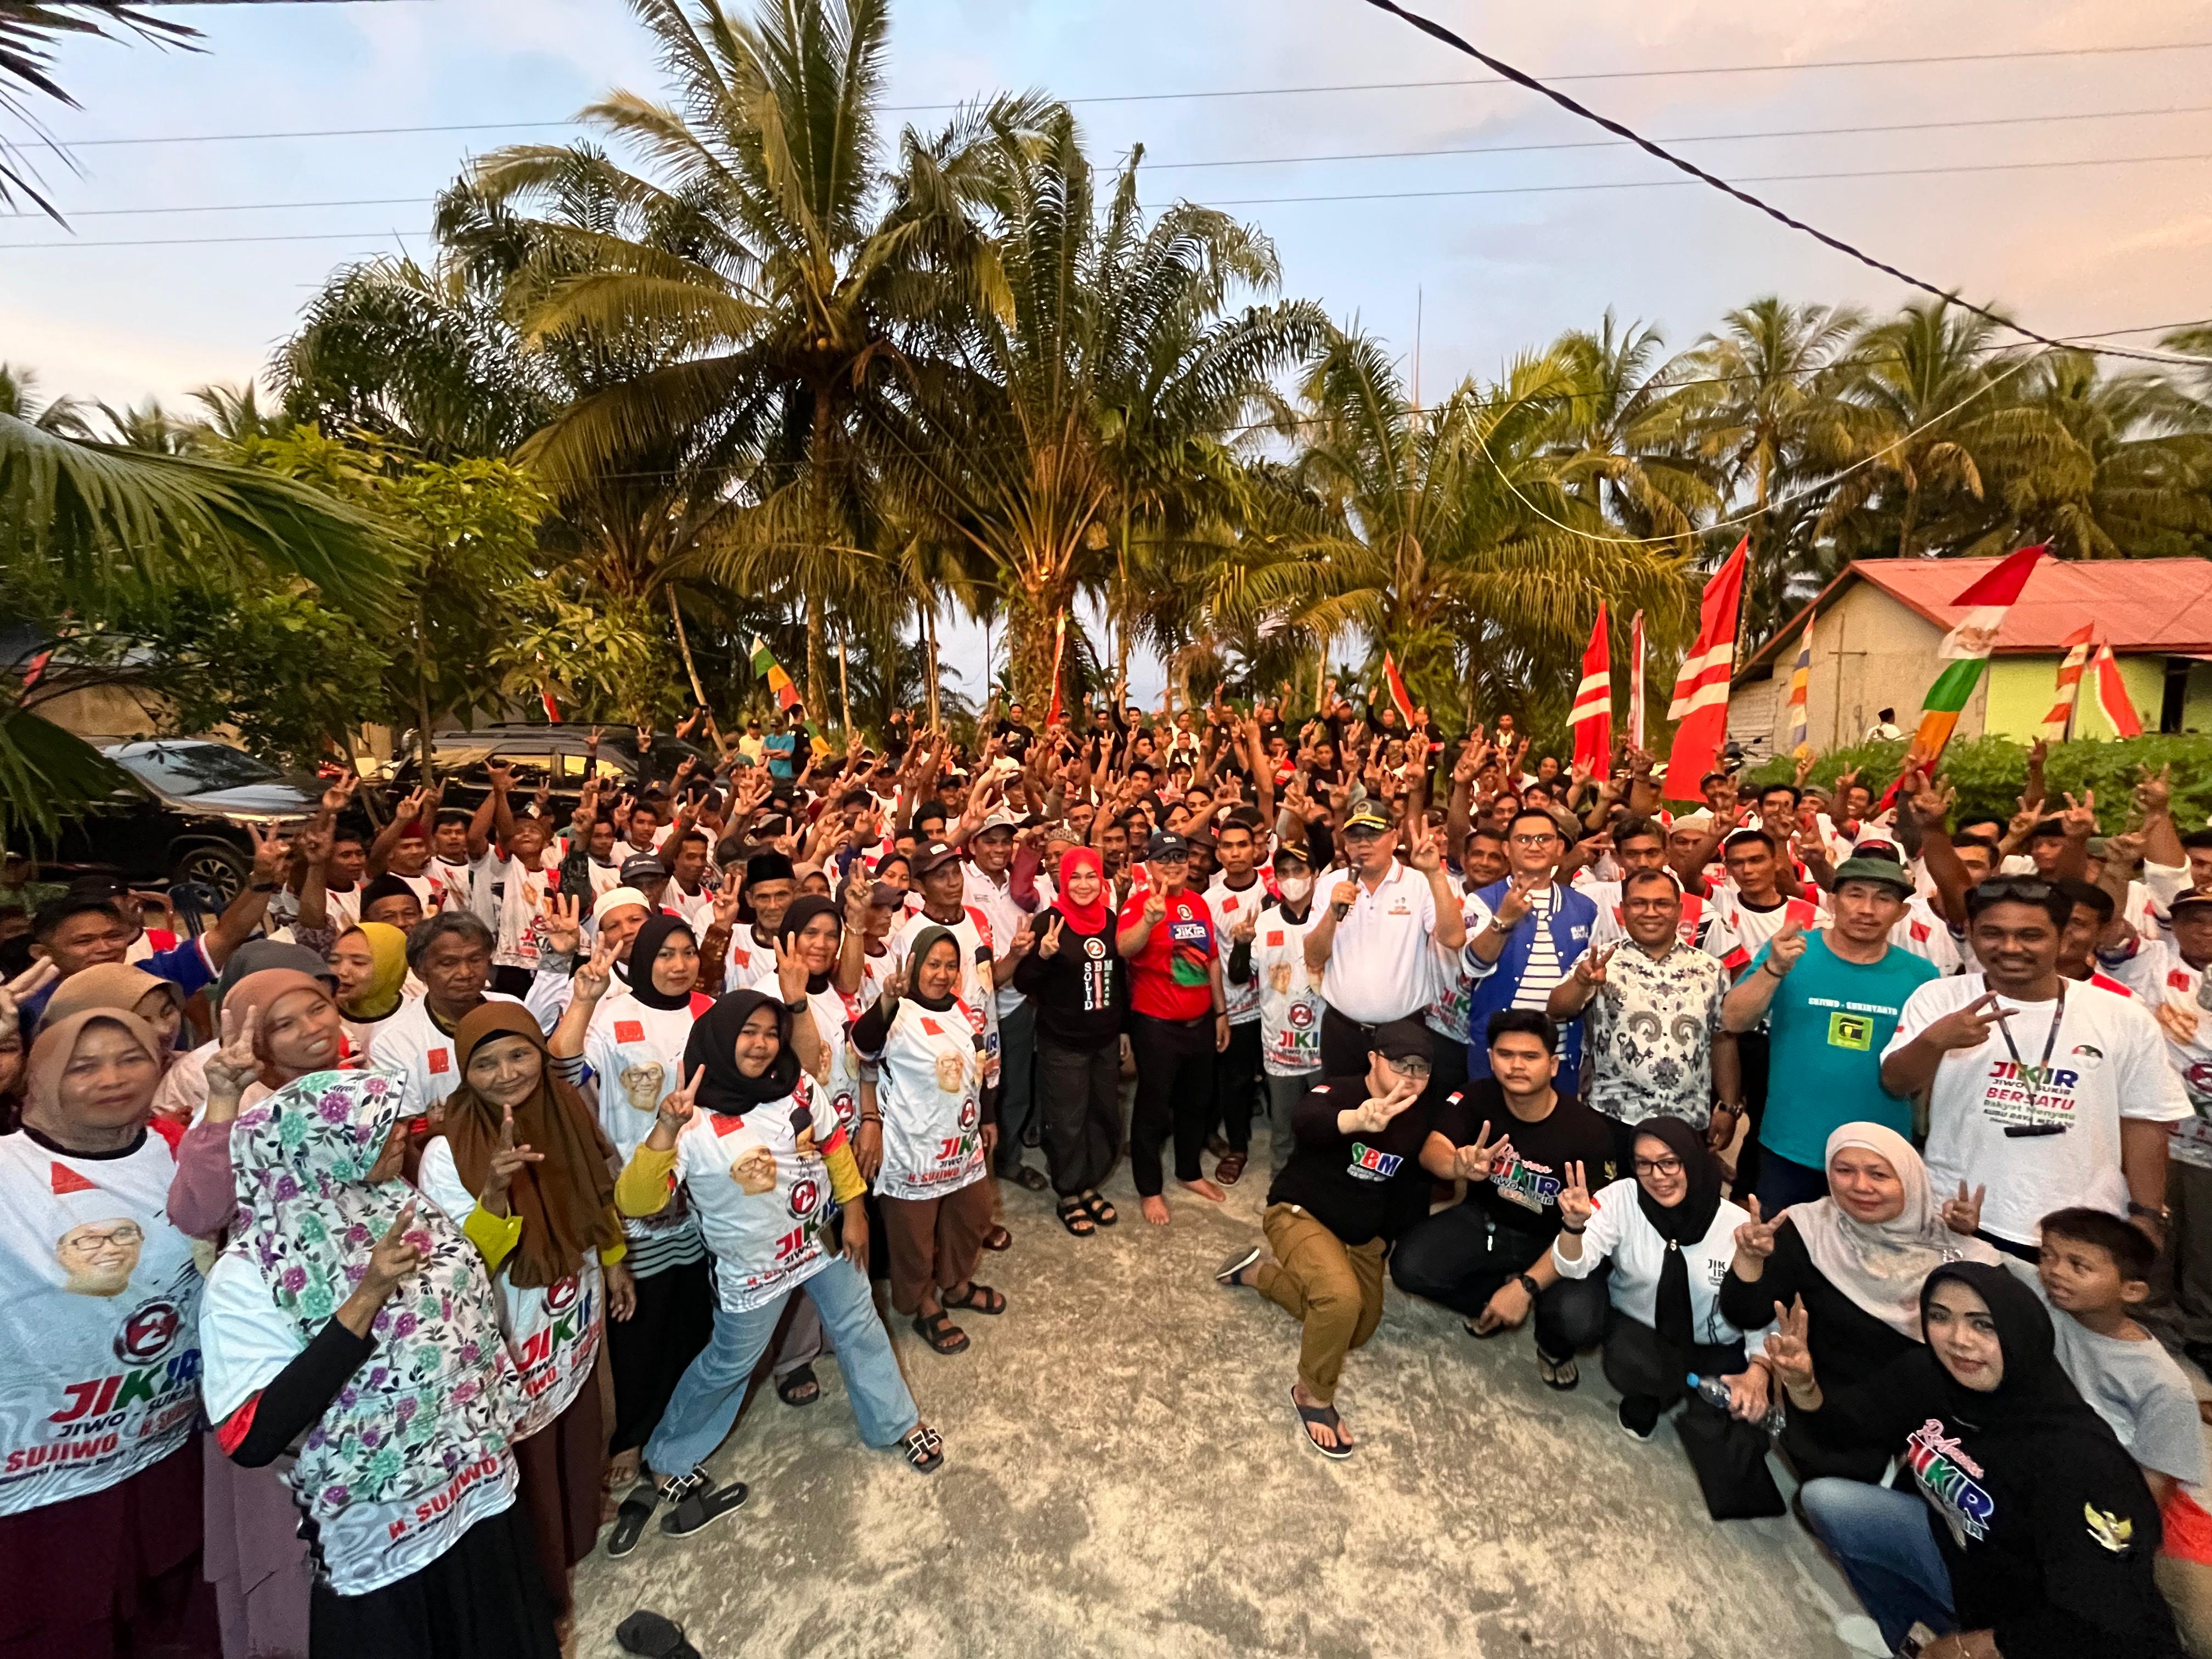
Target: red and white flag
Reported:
[(2113, 696), (1397, 685), (2060, 720), (1592, 715), (1636, 680), (1701, 688), (1059, 645)]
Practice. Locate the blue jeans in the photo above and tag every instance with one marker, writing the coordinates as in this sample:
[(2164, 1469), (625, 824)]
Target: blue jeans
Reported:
[(1881, 1540), (706, 1399)]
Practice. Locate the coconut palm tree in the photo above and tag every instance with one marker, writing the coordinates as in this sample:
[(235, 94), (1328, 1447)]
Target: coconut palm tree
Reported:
[(30, 30), (1628, 440)]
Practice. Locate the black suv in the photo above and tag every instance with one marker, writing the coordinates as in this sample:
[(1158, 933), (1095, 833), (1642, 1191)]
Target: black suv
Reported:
[(536, 754), (183, 815)]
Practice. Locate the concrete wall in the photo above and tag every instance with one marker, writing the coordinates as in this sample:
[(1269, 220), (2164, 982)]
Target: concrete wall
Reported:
[(1869, 653)]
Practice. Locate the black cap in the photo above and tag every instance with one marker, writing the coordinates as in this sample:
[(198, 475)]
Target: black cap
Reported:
[(2189, 900), (1368, 817), (642, 867), (1166, 844), (1403, 1039)]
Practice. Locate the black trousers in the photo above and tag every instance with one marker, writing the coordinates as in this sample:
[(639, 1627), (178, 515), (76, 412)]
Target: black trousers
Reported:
[(1079, 1097), (515, 982), (1649, 1374), (1236, 1084), (1447, 1072), (1175, 1093), (1458, 1258), (648, 1351), (1752, 1052), (1344, 1044)]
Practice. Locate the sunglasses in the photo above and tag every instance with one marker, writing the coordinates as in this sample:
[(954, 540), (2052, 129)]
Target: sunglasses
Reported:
[(2025, 889)]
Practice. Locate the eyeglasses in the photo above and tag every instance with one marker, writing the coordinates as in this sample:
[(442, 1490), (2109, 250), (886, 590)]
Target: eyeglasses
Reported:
[(1410, 1068), (1658, 1166)]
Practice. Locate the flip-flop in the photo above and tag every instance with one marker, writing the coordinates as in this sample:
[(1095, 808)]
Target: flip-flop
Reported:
[(656, 1637), (632, 1518), (800, 1388), (1326, 1417), (1560, 1374)]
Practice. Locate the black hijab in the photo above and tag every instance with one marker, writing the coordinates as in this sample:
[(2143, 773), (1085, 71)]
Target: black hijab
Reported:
[(725, 1091), (925, 938), (804, 909), (1684, 1224), (2035, 1394), (644, 946)]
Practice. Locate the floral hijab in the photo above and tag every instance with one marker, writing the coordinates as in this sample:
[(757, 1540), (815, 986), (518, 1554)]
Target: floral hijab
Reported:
[(440, 1392)]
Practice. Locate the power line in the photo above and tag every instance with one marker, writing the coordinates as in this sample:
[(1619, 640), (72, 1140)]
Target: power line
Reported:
[(1522, 78), (1276, 161), (1235, 92), (1243, 201)]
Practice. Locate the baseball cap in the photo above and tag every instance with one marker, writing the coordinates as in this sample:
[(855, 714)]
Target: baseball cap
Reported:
[(884, 896), (642, 867), (1000, 819), (1166, 844), (2189, 900), (1403, 1039), (1367, 816), (926, 858), (1863, 868), (1291, 852)]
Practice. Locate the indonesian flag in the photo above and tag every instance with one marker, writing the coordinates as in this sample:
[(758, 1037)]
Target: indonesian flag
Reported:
[(1592, 715), (1701, 688), (545, 702), (1059, 644), (1398, 689), (2060, 719), (1636, 680), (2113, 696), (1967, 648), (1799, 723)]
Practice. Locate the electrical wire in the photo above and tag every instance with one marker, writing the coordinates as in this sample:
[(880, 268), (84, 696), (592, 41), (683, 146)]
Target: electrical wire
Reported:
[(1522, 78), (1238, 92), (1233, 201)]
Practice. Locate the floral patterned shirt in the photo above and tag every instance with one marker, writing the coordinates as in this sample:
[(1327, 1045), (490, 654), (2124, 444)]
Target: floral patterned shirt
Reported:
[(1648, 1033)]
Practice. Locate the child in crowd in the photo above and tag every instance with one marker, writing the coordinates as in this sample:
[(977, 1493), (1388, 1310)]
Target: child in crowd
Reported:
[(2095, 1271)]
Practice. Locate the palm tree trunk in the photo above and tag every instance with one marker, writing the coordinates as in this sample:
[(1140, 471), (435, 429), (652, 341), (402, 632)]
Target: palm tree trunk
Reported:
[(844, 683), (929, 634), (692, 668), (426, 778), (817, 461), (818, 658)]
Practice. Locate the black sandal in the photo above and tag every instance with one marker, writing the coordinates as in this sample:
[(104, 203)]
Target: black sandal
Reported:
[(800, 1388), (632, 1518), (924, 1448), (656, 1637), (978, 1298), (1326, 1417), (1031, 1180), (997, 1239), (940, 1333), (1075, 1217), (1100, 1212)]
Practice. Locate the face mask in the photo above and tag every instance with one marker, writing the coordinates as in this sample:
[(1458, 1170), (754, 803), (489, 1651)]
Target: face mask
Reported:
[(1295, 889)]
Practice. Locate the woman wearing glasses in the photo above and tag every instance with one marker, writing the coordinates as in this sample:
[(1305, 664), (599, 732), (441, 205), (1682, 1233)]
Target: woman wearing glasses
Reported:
[(1669, 1236)]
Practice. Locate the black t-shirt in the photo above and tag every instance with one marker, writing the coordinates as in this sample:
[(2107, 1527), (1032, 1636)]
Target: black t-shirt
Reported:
[(1017, 738), (1359, 1186), (1522, 1193)]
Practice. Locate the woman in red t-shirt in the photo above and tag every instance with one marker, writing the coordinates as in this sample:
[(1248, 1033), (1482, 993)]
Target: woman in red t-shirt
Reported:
[(1177, 1021)]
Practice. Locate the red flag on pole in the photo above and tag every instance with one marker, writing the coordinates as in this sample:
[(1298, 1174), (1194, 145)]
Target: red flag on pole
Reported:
[(1592, 714), (2113, 696), (1059, 644), (1636, 680), (1701, 688), (1398, 689), (545, 700), (2059, 724)]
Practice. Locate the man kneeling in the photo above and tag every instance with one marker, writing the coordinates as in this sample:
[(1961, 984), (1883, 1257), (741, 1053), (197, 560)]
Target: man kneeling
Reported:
[(1353, 1182)]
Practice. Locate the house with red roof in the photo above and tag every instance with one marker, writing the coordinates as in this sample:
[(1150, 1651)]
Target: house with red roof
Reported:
[(1876, 627)]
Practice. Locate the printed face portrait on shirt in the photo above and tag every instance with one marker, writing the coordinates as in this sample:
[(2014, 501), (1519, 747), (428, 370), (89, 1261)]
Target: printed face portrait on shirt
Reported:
[(99, 1257), (642, 1086), (952, 1072), (755, 1171)]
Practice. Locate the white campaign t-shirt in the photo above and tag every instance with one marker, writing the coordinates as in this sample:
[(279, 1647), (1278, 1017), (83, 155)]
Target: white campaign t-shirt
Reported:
[(833, 1013), (1289, 1001), (761, 1198), (412, 1052), (1230, 906), (973, 931), (929, 1083), (100, 1357), (552, 1331), (636, 1054), (515, 895), (365, 1546), (2107, 1062), (2156, 974)]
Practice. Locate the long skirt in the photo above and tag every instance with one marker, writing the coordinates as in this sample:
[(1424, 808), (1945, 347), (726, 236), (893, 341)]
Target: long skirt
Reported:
[(114, 1572), (256, 1560), (561, 1467), (483, 1599)]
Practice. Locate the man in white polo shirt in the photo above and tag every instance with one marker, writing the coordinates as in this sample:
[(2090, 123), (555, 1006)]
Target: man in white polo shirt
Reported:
[(1371, 946)]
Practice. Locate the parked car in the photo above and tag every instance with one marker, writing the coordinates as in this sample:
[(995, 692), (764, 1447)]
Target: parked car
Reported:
[(182, 818), (538, 754)]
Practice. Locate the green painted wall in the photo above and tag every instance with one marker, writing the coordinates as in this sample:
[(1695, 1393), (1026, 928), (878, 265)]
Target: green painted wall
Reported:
[(2021, 690)]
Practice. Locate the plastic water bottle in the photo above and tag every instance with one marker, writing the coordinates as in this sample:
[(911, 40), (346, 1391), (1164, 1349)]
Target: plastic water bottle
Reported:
[(1715, 1393)]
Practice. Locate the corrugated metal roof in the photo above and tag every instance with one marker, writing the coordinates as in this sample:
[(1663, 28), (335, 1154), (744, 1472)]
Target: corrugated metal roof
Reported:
[(2156, 606)]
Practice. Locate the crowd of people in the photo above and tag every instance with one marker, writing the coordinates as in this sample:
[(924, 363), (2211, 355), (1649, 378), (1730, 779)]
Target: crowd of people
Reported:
[(373, 1255)]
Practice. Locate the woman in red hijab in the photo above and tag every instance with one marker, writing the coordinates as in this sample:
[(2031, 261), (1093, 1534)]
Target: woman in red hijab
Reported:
[(1081, 989)]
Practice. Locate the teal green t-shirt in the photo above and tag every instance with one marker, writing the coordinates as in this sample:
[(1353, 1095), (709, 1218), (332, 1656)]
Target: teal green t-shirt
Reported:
[(1829, 1022)]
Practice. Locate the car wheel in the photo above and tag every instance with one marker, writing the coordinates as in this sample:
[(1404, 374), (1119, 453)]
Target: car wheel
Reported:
[(214, 865)]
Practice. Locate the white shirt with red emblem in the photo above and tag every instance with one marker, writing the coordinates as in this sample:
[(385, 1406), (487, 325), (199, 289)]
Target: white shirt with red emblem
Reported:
[(636, 1056), (553, 1331), (2158, 977), (99, 1320), (929, 1084), (1231, 906), (761, 1198), (1290, 1000), (1735, 932), (974, 991), (413, 1053)]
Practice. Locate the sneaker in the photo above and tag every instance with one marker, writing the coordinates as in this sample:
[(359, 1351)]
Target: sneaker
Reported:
[(1627, 1427), (696, 1502), (1227, 1271)]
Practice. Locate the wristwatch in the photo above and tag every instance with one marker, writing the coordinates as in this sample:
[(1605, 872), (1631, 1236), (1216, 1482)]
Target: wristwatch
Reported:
[(2158, 1212), (796, 1007), (1528, 1284)]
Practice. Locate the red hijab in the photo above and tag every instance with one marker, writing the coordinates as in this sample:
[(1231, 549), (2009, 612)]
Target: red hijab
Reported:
[(1085, 919)]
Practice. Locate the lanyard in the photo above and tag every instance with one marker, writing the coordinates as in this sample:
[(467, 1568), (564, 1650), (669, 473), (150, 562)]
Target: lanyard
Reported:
[(2034, 1078)]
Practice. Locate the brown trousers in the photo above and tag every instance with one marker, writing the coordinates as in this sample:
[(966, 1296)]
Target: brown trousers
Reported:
[(1336, 1288), (934, 1241)]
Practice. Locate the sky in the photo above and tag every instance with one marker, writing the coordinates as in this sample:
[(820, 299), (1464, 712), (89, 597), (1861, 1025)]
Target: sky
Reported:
[(2068, 248)]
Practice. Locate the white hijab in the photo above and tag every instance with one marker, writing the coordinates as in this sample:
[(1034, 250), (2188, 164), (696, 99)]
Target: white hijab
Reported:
[(1881, 1265)]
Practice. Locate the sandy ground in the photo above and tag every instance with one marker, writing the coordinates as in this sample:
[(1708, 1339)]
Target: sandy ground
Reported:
[(1124, 1475)]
